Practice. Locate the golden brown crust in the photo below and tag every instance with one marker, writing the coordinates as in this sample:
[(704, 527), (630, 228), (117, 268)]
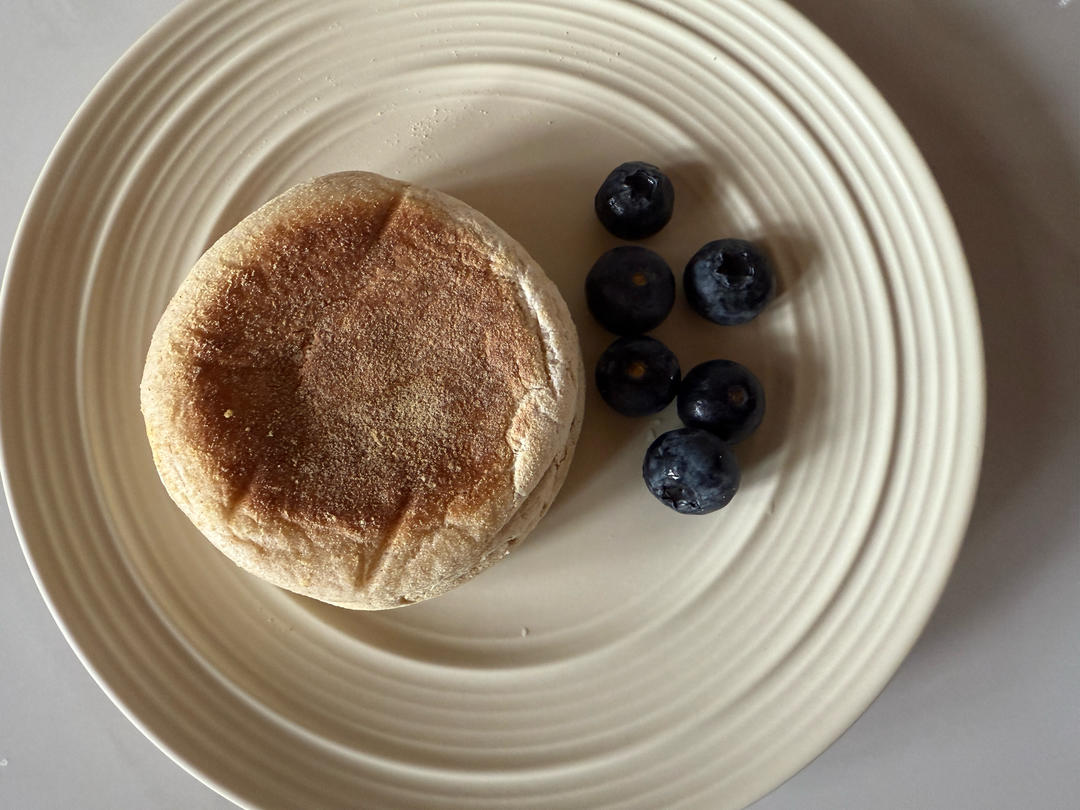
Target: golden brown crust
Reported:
[(358, 388)]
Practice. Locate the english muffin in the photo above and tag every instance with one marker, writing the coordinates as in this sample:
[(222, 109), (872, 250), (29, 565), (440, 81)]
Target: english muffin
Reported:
[(366, 392)]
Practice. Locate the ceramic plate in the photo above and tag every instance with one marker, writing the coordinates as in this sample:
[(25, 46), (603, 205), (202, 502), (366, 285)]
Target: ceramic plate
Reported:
[(624, 655)]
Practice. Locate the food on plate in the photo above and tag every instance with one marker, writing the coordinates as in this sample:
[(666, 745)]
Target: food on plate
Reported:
[(366, 392), (635, 200), (691, 470), (630, 290), (729, 281), (724, 397), (637, 376)]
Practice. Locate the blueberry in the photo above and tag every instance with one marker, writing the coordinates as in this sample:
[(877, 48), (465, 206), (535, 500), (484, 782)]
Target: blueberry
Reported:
[(728, 281), (630, 290), (722, 397), (691, 470), (637, 375), (635, 201)]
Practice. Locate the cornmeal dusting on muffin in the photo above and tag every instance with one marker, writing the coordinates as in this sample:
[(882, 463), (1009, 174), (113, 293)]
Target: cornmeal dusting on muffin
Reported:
[(430, 436)]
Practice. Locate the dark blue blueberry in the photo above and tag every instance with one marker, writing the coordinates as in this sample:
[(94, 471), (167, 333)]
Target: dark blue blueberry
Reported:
[(691, 470), (722, 397), (635, 201), (637, 375), (729, 281), (630, 290)]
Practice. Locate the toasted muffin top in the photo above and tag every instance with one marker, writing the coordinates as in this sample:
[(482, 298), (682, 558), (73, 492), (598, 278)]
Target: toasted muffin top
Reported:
[(356, 388)]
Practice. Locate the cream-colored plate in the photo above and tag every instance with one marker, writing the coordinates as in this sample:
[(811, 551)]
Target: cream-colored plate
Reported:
[(624, 655)]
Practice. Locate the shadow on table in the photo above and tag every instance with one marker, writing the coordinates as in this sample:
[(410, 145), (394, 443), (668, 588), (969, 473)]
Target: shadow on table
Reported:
[(1010, 176)]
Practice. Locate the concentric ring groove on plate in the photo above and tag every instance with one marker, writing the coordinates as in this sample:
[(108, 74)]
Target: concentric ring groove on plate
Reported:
[(666, 661)]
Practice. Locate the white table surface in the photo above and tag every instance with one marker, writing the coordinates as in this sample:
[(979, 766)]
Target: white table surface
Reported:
[(985, 712)]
